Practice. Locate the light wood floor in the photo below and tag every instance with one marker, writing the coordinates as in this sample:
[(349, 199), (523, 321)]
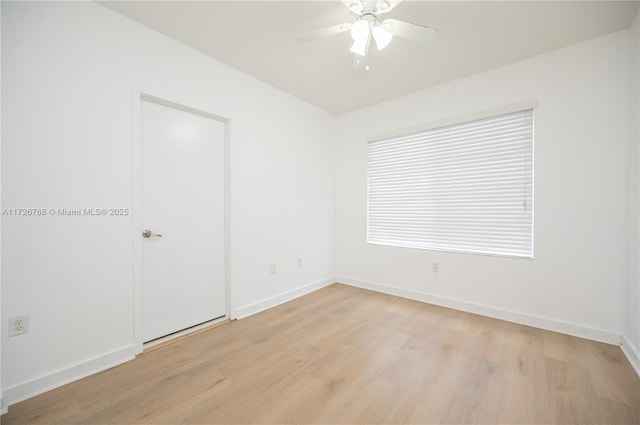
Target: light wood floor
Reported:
[(346, 355)]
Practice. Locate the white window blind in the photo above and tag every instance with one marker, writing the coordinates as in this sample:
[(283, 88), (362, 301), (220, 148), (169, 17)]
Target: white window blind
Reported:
[(464, 187)]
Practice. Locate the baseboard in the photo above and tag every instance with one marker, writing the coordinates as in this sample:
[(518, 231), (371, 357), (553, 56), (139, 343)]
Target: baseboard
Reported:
[(3, 407), (573, 329), (25, 390), (270, 302), (632, 353)]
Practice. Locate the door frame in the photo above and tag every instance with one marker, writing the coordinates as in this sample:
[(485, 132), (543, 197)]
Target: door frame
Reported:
[(172, 101)]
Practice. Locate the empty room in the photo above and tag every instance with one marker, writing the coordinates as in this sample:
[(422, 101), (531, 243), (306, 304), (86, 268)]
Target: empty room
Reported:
[(320, 212)]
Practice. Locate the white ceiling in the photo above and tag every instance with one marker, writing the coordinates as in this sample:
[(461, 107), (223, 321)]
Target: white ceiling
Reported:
[(257, 38)]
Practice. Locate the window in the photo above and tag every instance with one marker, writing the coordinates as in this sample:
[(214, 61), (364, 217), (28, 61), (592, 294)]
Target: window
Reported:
[(462, 188)]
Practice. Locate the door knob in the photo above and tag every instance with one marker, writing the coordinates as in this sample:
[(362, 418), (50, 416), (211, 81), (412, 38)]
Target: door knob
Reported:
[(148, 234)]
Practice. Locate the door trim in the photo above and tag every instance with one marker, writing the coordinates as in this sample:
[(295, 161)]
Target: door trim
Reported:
[(137, 96)]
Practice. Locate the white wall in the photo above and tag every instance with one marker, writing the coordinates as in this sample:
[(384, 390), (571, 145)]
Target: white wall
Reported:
[(576, 283), (68, 71), (631, 343)]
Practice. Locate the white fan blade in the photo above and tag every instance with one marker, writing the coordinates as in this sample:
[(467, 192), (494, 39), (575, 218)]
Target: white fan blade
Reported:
[(410, 31), (322, 33)]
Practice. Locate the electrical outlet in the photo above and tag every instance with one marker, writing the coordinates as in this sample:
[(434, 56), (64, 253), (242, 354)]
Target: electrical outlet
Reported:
[(435, 267), (272, 268), (18, 325)]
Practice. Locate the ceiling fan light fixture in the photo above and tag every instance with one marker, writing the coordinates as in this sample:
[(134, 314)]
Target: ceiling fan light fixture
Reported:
[(359, 47), (382, 36), (360, 31)]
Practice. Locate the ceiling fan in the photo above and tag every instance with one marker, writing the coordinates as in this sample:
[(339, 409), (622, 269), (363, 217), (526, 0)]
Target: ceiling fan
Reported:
[(368, 24)]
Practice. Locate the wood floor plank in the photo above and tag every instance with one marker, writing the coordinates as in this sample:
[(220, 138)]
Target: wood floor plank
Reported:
[(344, 355), (524, 384)]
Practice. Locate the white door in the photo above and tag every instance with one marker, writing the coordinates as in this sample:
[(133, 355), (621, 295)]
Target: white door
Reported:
[(182, 206)]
